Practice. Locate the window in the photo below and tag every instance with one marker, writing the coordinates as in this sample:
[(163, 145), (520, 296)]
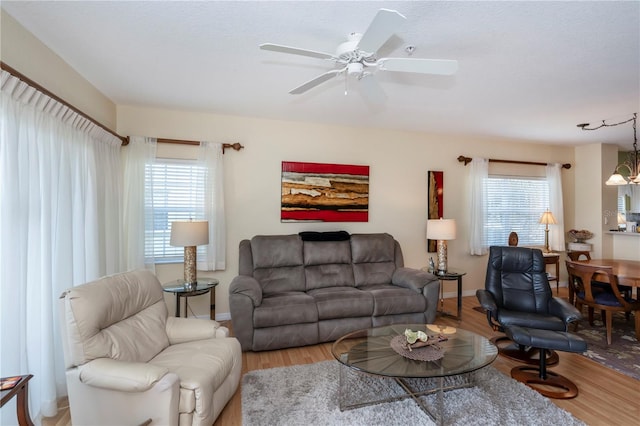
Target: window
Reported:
[(174, 190), (515, 204)]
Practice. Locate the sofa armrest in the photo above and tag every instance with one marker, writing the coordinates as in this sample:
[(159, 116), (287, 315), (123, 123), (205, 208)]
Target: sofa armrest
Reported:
[(413, 279), (248, 286), (565, 310), (107, 373), (180, 330)]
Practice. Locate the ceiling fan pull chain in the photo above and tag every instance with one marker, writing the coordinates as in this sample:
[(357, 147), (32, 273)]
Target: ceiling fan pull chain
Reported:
[(346, 80)]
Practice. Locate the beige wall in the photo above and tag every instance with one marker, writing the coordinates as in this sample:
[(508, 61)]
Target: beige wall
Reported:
[(22, 51), (398, 162)]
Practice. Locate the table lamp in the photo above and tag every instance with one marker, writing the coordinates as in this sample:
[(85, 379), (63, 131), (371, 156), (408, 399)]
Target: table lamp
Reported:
[(547, 219), (441, 230), (189, 234)]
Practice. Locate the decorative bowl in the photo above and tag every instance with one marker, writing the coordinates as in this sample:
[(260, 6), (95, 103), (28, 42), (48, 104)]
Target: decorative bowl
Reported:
[(580, 235)]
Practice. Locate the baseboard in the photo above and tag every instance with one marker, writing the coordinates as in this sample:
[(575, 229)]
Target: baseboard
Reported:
[(224, 316)]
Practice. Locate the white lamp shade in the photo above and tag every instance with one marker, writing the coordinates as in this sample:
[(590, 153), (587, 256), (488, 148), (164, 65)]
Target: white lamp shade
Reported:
[(441, 229), (548, 219), (189, 233), (616, 179)]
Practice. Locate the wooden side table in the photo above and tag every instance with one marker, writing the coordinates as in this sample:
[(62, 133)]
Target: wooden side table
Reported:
[(553, 259), (21, 389)]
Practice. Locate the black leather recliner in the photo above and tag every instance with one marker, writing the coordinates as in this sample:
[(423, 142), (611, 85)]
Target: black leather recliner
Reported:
[(517, 293)]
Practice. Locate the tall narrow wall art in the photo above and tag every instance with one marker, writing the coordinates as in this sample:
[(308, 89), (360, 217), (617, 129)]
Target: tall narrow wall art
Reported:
[(316, 192), (435, 182)]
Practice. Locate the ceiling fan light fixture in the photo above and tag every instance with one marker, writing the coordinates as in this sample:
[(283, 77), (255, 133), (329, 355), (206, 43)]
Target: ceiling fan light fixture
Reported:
[(355, 68)]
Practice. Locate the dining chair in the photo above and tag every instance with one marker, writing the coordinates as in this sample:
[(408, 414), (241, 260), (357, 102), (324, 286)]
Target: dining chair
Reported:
[(597, 297), (576, 254)]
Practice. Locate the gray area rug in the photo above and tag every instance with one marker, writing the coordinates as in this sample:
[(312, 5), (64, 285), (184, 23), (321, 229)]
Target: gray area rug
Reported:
[(309, 395)]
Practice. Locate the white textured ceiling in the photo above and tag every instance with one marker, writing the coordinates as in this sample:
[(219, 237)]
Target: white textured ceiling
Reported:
[(527, 70)]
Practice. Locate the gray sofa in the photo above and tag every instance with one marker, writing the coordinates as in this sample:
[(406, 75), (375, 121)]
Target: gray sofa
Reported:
[(296, 290)]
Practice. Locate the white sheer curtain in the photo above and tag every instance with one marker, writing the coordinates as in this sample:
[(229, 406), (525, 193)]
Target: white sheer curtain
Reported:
[(60, 193), (556, 232), (478, 209), (210, 154), (135, 156)]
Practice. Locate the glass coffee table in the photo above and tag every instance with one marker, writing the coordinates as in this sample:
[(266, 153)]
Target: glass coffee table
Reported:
[(369, 352)]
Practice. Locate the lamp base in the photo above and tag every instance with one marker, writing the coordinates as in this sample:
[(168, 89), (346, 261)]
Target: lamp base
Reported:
[(190, 278), (546, 240), (442, 257)]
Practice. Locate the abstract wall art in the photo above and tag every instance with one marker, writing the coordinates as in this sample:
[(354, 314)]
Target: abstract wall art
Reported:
[(317, 192)]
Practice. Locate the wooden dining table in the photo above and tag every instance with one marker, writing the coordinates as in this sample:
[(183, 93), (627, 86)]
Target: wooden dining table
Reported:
[(627, 271)]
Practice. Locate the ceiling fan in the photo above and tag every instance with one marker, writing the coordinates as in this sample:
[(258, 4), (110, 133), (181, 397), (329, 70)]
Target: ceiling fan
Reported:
[(357, 55)]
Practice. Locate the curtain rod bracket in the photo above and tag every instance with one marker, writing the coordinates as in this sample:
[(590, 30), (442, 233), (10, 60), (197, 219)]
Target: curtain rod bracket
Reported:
[(467, 160), (235, 146)]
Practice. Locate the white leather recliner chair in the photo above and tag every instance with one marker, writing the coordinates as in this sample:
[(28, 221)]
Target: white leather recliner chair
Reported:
[(129, 363)]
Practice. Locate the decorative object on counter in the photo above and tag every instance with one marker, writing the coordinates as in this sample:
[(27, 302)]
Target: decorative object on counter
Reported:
[(189, 234), (580, 235), (441, 230), (621, 221), (547, 219), (631, 163)]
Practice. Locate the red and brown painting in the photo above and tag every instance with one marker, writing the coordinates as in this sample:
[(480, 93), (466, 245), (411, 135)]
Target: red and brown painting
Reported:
[(324, 192)]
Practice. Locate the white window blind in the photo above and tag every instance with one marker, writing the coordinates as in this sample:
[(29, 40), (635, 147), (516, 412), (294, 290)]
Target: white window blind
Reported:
[(174, 190), (515, 204)]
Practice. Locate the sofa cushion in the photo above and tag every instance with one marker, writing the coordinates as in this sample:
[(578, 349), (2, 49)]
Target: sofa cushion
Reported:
[(280, 280), (284, 309), (342, 302), (323, 252), (272, 251), (373, 273), (202, 365), (392, 300), (373, 258), (327, 264), (372, 248)]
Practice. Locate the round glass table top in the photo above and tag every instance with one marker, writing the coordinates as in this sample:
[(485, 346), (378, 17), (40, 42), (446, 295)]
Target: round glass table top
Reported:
[(178, 286), (370, 351)]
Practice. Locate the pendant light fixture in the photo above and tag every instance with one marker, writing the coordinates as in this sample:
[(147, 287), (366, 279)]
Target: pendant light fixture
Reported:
[(631, 163)]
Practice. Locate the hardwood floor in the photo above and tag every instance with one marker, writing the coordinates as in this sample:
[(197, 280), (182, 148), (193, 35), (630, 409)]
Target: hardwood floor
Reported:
[(606, 396)]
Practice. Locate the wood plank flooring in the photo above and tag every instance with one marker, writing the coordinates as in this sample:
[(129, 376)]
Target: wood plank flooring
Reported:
[(606, 396)]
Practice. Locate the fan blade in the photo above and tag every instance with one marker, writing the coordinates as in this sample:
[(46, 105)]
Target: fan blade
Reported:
[(297, 51), (371, 90), (380, 30), (417, 65), (316, 81)]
